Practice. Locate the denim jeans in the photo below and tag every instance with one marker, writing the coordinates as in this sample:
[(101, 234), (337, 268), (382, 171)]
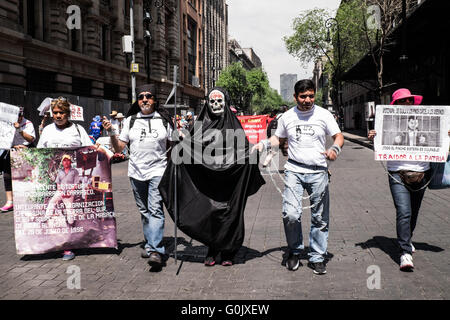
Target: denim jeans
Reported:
[(407, 203), (150, 204), (316, 185)]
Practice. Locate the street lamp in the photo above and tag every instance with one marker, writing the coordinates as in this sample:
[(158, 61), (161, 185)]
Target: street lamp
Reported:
[(328, 24)]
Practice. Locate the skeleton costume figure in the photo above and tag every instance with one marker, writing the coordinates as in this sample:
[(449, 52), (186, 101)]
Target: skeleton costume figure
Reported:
[(214, 180)]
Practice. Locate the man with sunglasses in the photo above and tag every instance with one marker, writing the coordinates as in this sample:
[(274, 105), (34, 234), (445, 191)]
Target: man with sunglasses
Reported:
[(144, 129), (305, 128)]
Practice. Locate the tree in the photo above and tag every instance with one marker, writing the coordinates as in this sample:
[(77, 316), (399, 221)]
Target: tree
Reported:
[(249, 90)]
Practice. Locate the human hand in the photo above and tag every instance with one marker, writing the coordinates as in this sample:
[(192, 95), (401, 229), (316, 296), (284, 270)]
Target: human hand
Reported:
[(330, 154), (106, 124), (372, 134), (259, 146)]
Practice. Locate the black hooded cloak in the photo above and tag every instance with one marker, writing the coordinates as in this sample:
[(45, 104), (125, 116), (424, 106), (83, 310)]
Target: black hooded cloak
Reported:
[(212, 197)]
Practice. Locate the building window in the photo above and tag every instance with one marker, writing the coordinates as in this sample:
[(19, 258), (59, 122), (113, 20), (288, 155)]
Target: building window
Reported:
[(81, 86), (192, 48), (41, 80), (104, 42), (30, 18), (111, 91), (74, 39)]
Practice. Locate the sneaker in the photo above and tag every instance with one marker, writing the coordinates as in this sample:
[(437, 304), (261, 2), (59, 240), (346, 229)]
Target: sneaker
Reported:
[(318, 267), (406, 262), (7, 207), (155, 259), (68, 255), (145, 253), (209, 261), (293, 262)]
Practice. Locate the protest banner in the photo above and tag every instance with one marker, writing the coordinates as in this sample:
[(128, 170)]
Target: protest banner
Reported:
[(8, 115), (254, 127), (411, 133), (62, 199)]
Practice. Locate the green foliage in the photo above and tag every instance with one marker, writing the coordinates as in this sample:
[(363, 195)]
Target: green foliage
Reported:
[(309, 39), (249, 90)]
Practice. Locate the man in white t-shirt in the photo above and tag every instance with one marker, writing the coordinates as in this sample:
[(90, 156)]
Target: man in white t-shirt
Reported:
[(305, 128), (148, 134)]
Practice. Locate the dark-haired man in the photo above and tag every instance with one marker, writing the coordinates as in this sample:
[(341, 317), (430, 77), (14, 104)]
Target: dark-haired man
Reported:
[(305, 127)]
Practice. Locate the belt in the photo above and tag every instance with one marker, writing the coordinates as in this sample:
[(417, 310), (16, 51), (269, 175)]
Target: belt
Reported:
[(307, 166)]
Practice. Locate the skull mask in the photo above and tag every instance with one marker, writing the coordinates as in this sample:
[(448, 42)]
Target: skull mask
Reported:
[(216, 101)]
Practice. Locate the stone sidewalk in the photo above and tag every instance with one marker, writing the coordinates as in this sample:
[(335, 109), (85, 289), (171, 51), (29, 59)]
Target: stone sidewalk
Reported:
[(362, 245)]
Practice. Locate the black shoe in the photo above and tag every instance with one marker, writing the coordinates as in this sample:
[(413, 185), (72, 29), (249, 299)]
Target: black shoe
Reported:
[(155, 259), (293, 262), (318, 267)]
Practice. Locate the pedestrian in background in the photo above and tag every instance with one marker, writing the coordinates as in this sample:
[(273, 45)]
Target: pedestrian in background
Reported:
[(148, 130), (305, 127), (407, 193), (23, 137)]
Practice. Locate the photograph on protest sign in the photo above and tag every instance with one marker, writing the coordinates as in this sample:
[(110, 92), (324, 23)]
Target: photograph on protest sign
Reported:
[(254, 127), (411, 133), (62, 199), (8, 115)]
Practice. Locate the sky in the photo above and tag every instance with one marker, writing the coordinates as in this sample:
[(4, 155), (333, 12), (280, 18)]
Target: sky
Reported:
[(262, 24)]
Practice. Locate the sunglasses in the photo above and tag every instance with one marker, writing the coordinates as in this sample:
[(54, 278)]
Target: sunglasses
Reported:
[(147, 95), (410, 99), (304, 96)]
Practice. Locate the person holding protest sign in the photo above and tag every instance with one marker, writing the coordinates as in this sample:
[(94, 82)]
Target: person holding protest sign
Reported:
[(62, 133), (407, 182), (23, 137), (148, 129), (306, 127)]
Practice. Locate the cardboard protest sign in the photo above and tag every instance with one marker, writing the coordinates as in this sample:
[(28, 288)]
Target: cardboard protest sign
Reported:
[(8, 115), (411, 133), (254, 127), (62, 199)]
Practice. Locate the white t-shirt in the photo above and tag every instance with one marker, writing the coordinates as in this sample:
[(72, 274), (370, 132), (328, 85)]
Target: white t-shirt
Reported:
[(306, 132), (27, 127), (408, 165), (148, 157), (69, 137)]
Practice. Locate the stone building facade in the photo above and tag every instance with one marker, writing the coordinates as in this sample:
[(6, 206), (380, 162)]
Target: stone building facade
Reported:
[(215, 37), (40, 53)]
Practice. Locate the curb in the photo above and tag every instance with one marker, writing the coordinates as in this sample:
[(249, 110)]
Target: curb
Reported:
[(363, 143)]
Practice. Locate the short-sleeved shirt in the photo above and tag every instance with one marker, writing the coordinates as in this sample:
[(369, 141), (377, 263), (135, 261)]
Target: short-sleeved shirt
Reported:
[(70, 137), (27, 127), (306, 132), (72, 177), (148, 157)]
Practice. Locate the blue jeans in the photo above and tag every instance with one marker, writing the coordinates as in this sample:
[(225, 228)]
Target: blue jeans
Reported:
[(407, 203), (316, 185), (150, 204)]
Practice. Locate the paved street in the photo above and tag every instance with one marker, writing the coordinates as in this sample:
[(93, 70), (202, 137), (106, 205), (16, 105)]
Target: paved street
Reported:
[(362, 238)]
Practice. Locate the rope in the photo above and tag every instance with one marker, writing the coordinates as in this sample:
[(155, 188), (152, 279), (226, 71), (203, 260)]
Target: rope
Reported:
[(405, 185)]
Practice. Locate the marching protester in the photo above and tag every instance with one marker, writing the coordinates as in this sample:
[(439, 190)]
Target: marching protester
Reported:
[(305, 127), (212, 190), (407, 192), (62, 133), (119, 119), (23, 137), (148, 130)]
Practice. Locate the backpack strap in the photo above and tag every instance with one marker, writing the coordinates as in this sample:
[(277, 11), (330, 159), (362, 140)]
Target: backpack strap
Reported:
[(76, 126)]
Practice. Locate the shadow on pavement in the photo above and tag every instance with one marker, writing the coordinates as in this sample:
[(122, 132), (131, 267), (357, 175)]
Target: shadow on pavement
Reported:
[(391, 248), (80, 252)]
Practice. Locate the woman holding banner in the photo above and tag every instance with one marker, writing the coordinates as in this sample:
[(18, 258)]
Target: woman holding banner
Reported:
[(62, 133), (23, 137), (407, 181)]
